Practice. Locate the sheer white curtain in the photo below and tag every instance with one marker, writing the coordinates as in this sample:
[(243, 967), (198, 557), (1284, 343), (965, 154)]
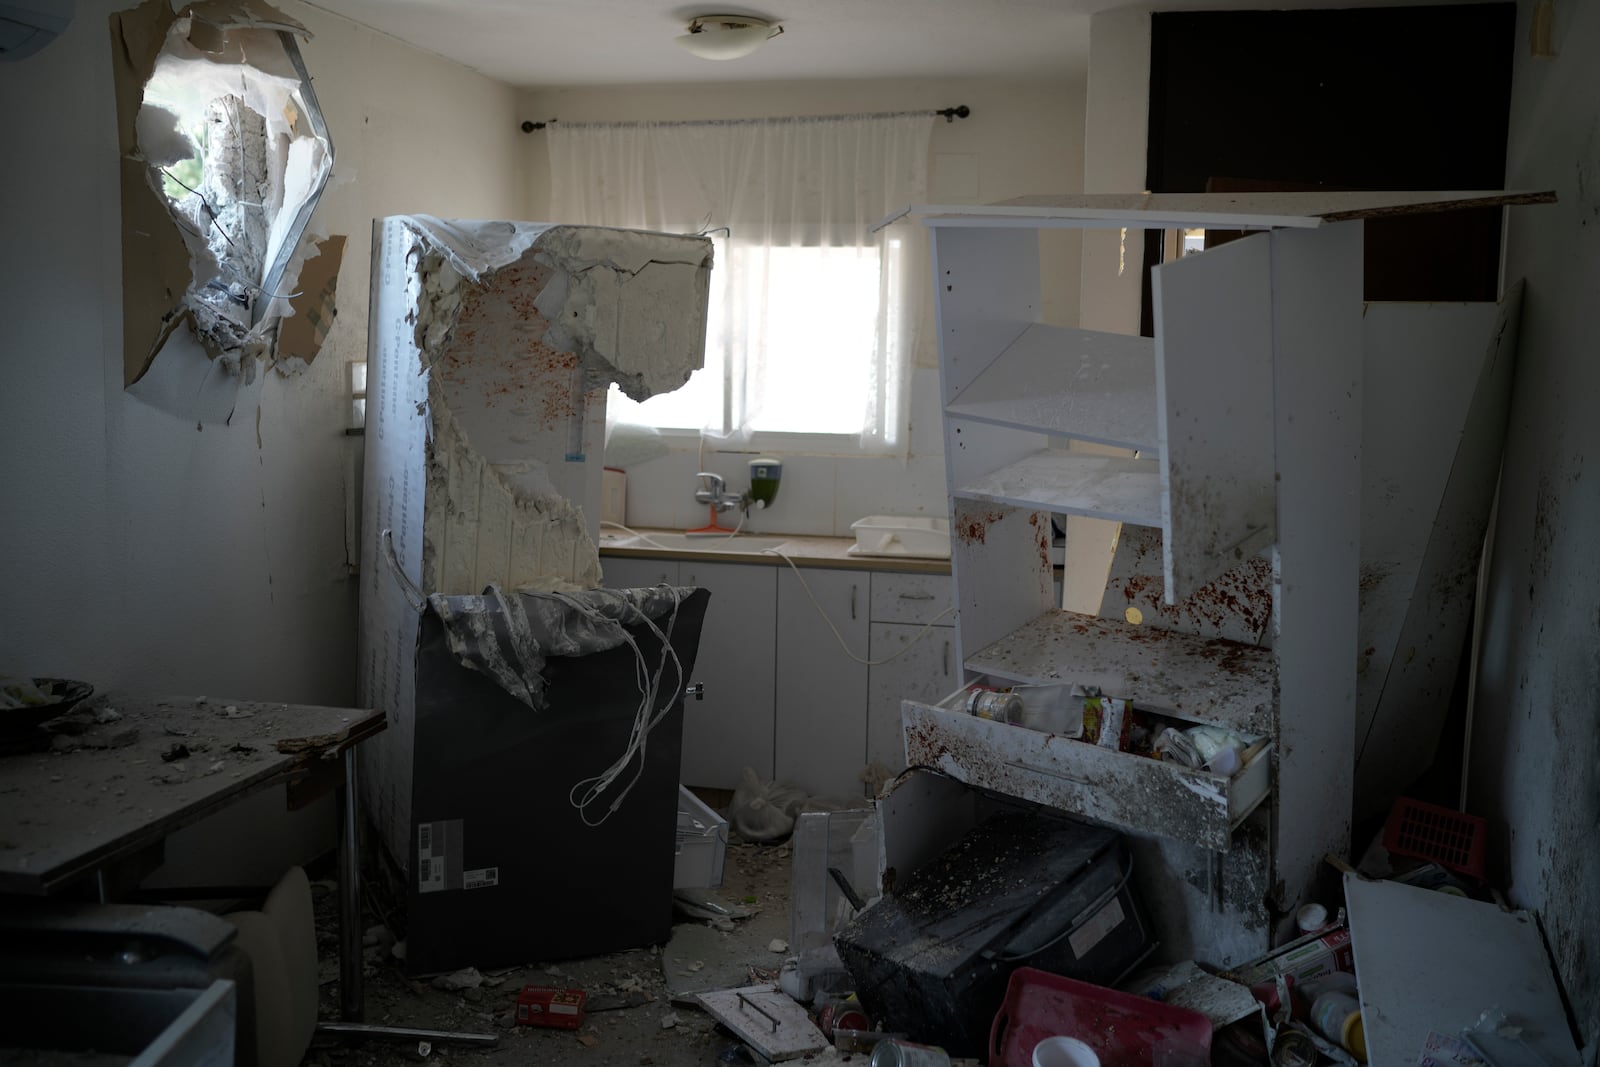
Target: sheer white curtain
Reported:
[(812, 314)]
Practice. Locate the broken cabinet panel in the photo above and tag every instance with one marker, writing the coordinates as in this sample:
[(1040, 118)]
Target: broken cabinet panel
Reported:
[(1131, 792), (1214, 385)]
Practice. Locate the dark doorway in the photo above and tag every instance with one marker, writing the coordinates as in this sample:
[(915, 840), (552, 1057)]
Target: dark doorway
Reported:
[(1374, 98)]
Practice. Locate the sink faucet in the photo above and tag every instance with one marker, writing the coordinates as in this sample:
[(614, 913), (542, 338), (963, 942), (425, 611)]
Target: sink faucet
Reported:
[(714, 491)]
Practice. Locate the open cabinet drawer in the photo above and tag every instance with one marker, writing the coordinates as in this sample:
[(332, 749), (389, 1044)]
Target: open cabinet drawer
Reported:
[(1131, 792)]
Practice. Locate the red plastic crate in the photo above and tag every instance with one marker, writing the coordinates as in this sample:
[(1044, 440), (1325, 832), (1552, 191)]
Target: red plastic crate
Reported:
[(1450, 838), (1122, 1028)]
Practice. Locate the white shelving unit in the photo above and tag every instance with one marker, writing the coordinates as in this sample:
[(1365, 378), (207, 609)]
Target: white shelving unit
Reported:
[(1243, 417)]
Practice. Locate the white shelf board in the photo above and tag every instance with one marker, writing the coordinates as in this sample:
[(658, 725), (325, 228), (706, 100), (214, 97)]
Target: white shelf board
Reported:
[(1075, 483), (1083, 384), (1231, 211), (1210, 680)]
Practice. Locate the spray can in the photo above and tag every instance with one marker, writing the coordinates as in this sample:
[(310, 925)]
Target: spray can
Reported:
[(986, 703)]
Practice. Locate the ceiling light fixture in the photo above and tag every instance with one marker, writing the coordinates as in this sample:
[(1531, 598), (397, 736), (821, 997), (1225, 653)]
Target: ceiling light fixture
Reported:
[(727, 36)]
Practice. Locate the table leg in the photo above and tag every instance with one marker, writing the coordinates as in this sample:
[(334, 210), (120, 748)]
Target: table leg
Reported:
[(351, 1001), (350, 957)]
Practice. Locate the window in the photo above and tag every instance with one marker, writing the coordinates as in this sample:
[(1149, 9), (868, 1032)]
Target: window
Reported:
[(809, 331), (818, 337)]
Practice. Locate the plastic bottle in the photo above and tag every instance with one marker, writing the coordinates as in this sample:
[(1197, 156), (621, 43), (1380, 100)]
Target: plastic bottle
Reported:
[(1336, 1014)]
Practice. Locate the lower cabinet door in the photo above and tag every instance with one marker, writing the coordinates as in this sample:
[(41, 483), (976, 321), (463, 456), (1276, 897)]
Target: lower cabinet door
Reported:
[(923, 668), (822, 688), (732, 727)]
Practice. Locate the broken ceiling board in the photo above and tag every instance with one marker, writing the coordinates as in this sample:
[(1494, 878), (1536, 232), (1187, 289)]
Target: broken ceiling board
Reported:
[(767, 1020), (1079, 383), (1214, 382), (1231, 211), (67, 812), (1429, 961), (1205, 680)]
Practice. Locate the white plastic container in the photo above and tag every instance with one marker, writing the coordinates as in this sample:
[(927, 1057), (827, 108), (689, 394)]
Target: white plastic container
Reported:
[(702, 844), (896, 535), (614, 496)]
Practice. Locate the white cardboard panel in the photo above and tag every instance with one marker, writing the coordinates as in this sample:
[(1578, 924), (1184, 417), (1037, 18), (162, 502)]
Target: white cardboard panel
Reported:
[(1214, 376), (1316, 284), (1399, 725), (1092, 386), (1429, 961)]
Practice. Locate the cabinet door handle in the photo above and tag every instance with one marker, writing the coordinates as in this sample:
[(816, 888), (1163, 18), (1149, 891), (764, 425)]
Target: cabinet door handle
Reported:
[(916, 596), (947, 659), (852, 601)]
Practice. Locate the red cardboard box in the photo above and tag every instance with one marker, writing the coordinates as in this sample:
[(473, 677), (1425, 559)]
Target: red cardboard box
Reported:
[(559, 1008), (1303, 961)]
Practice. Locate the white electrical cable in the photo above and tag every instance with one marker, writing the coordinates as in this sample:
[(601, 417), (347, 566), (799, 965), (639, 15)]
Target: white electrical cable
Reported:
[(586, 792), (837, 636), (708, 538)]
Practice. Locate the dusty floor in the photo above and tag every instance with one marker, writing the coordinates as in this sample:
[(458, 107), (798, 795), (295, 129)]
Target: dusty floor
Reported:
[(659, 1031)]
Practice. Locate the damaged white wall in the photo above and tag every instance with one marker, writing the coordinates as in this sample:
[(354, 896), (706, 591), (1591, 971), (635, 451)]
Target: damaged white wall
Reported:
[(136, 551), (1023, 137), (1535, 768)]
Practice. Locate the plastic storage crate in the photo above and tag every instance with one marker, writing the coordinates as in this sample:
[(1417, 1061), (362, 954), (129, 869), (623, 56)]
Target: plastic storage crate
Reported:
[(1123, 1029), (1450, 838), (702, 846)]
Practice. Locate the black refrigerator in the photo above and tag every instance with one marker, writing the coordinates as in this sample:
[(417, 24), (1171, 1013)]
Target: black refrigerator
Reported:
[(509, 865)]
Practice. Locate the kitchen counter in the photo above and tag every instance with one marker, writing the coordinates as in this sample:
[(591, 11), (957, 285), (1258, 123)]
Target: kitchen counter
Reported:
[(760, 548)]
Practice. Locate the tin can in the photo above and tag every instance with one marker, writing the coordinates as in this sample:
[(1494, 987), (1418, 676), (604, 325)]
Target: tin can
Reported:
[(993, 704), (897, 1053)]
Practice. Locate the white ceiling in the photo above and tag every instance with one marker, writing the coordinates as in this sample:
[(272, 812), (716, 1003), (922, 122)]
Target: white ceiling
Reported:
[(552, 44), (568, 43)]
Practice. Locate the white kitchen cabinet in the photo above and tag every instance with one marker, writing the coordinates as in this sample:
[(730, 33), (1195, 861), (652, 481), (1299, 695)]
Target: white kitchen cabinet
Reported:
[(821, 694), (912, 647), (732, 726)]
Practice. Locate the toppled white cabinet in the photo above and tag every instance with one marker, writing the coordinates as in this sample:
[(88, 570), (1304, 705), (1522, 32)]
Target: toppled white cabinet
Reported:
[(1243, 417), (490, 347)]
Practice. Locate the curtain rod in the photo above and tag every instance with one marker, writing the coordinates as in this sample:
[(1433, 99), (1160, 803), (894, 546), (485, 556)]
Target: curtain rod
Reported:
[(950, 114)]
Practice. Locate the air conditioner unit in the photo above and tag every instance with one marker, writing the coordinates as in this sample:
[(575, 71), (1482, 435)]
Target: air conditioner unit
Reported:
[(26, 28)]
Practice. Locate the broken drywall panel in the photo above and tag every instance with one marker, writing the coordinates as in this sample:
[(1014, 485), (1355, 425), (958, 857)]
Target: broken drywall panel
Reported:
[(484, 425), (187, 383), (314, 306), (1421, 590), (223, 156)]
